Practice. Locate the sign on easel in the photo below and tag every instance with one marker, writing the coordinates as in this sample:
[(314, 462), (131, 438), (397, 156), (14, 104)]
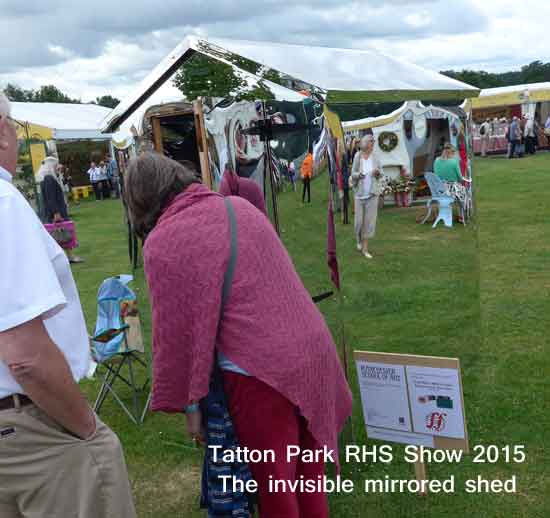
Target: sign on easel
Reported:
[(413, 400)]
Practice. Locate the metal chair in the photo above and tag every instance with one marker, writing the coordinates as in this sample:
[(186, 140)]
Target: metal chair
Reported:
[(117, 346)]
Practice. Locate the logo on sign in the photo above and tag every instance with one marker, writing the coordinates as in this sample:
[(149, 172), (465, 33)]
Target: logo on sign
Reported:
[(436, 421)]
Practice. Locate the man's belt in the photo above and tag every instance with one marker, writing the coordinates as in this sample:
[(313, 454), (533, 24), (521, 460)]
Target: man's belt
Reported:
[(11, 402)]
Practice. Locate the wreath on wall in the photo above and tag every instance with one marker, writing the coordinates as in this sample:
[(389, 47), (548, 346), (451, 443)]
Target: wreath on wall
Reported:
[(387, 141)]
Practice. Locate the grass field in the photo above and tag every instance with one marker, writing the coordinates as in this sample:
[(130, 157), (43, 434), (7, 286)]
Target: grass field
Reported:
[(479, 293)]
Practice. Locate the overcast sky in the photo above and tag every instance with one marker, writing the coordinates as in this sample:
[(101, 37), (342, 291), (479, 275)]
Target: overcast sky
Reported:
[(107, 46)]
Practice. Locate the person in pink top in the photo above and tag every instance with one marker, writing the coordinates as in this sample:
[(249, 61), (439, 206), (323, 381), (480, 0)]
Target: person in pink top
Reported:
[(282, 375), (233, 185)]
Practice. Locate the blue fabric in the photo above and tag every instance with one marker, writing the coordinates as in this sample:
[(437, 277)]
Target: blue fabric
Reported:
[(110, 295), (220, 432), (225, 364)]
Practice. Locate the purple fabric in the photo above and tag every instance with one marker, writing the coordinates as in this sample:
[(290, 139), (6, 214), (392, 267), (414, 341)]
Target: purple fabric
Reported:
[(233, 185), (270, 327), (332, 259)]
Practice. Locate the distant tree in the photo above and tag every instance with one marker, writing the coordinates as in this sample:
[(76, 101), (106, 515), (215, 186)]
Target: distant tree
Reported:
[(17, 94), (45, 94), (51, 94), (535, 72), (107, 101)]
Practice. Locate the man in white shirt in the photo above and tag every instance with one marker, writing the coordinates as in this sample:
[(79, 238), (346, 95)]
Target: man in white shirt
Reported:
[(96, 175), (56, 457)]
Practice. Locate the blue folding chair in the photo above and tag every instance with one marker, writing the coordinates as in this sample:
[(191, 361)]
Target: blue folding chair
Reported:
[(439, 195), (118, 344)]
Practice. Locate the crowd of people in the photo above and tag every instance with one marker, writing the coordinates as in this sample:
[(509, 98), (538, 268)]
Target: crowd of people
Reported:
[(524, 135), (104, 178)]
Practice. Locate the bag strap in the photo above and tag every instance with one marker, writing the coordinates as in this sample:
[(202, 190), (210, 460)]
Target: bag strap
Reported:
[(230, 271), (227, 284)]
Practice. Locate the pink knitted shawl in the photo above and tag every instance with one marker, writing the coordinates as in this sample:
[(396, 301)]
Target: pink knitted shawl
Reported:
[(233, 185), (270, 326)]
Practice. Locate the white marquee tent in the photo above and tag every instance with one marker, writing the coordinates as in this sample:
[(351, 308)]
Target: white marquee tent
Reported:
[(332, 75), (67, 121)]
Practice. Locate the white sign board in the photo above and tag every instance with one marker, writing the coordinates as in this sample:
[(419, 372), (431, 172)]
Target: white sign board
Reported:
[(435, 401), (412, 399), (384, 395)]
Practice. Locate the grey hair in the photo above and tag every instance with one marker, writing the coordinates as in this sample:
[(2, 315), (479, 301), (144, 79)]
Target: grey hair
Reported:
[(365, 141), (150, 184), (5, 106)]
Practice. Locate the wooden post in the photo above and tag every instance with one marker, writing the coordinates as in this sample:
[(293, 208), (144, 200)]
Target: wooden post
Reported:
[(202, 143), (157, 135), (420, 472)]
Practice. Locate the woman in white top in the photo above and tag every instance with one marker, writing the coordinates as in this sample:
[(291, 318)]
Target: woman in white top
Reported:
[(365, 171)]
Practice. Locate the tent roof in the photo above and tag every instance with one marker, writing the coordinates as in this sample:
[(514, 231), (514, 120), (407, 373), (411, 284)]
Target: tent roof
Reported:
[(335, 75), (512, 95), (383, 120), (486, 92), (66, 120)]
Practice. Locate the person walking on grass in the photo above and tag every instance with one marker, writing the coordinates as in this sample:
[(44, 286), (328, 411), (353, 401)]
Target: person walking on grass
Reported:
[(307, 173), (56, 457), (514, 137), (55, 204), (530, 136), (365, 171), (485, 134)]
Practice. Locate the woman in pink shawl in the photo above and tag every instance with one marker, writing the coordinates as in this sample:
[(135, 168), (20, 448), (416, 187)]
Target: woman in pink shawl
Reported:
[(233, 185), (282, 375)]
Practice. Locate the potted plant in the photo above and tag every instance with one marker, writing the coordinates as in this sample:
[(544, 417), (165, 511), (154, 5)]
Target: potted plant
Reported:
[(402, 188)]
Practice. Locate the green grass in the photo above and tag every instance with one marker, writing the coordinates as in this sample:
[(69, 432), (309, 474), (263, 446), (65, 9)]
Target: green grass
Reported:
[(478, 293)]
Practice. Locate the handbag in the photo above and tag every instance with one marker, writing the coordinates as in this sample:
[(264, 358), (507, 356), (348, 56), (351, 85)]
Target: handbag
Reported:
[(62, 235)]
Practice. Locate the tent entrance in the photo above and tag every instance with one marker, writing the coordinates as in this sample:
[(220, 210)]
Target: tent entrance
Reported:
[(438, 133)]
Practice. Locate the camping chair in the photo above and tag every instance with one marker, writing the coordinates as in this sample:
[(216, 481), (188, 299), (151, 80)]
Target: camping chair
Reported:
[(118, 344), (439, 195)]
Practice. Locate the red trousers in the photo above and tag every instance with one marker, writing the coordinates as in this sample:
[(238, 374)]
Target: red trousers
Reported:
[(265, 420)]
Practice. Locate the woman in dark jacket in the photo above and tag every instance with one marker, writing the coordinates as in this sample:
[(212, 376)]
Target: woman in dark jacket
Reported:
[(54, 205), (55, 208)]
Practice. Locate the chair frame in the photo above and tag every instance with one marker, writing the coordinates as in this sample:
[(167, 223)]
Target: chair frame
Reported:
[(113, 372), (438, 197)]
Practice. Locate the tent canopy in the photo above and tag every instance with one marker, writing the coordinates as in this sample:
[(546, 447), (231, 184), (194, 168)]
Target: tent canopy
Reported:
[(66, 121), (384, 120), (332, 75), (512, 95)]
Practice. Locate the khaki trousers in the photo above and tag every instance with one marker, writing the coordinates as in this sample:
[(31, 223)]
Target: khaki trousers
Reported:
[(45, 472), (366, 215)]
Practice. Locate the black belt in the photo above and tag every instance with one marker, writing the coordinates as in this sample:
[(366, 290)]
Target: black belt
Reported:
[(10, 402)]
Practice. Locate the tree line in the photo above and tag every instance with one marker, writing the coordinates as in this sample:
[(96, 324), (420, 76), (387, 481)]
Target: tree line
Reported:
[(205, 77), (51, 94), (535, 72)]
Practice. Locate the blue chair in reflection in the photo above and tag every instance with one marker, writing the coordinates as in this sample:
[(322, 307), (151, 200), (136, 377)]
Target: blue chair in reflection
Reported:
[(439, 195)]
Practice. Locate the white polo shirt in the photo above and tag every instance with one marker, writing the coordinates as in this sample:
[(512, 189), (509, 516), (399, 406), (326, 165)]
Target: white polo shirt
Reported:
[(36, 280)]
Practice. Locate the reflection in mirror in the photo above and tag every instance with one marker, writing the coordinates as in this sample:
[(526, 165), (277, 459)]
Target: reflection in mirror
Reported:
[(417, 289)]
